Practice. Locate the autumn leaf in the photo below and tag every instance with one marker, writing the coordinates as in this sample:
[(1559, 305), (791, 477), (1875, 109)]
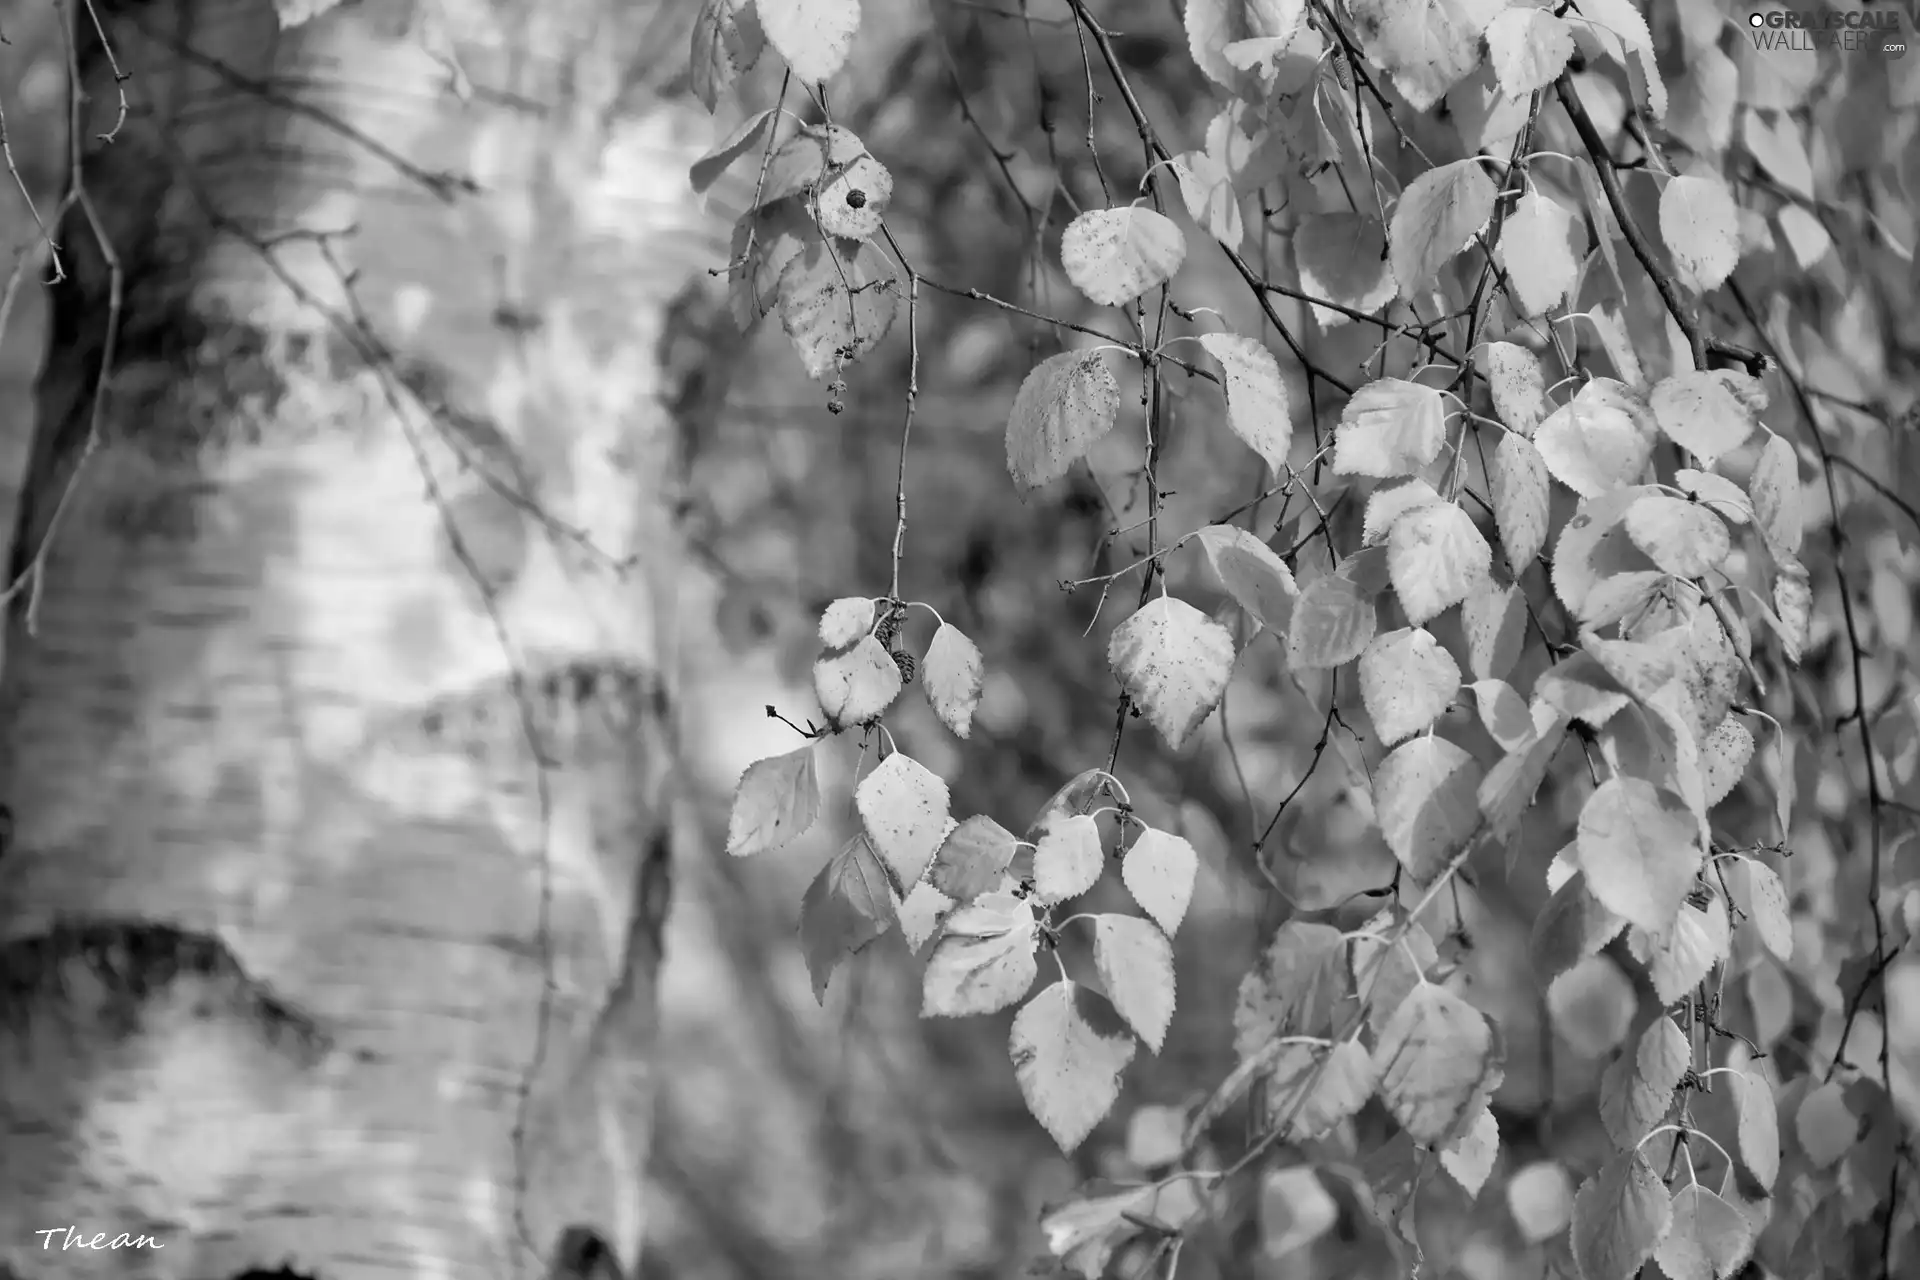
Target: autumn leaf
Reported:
[(1310, 1091), (1504, 714), (844, 621), (1206, 189), (1174, 662), (1158, 871), (1679, 959), (1135, 962), (750, 135), (1529, 48), (727, 41), (1333, 622), (1637, 1089), (1758, 1129), (1622, 33), (903, 806), (814, 36), (1775, 486), (1619, 1215), (984, 960), (848, 905), (1427, 48), (777, 800), (1115, 255), (1436, 556), (1520, 499), (1639, 848), (1257, 408), (1438, 1060), (1437, 216), (1388, 971), (1494, 618), (1342, 258), (1701, 225), (1825, 1125), (1390, 427), (951, 674), (837, 301), (1699, 413), (1708, 1239), (1540, 247), (1064, 406), (1573, 925), (1068, 1072), (1514, 379), (1068, 859), (1253, 574), (972, 858), (1684, 538), (1215, 26), (1469, 1160), (1294, 989), (1592, 444), (1406, 681), (1424, 795), (1391, 501), (1723, 759), (1766, 906)]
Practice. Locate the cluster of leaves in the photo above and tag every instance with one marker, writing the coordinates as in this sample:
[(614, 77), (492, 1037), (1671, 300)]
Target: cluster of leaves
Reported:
[(803, 247), (1608, 563)]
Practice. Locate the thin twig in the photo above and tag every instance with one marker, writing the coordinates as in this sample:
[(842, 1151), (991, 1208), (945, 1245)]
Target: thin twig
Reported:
[(1603, 165)]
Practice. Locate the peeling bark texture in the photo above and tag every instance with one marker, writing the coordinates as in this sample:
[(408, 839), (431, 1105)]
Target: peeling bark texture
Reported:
[(337, 728)]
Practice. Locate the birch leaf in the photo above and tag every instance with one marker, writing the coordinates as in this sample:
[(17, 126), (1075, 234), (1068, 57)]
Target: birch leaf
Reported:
[(1343, 258), (814, 36), (1068, 1072), (1638, 847), (951, 674), (1513, 376), (1701, 224), (1159, 870), (1063, 408), (1253, 574), (1257, 409), (777, 800), (1520, 490), (984, 960), (1436, 557), (1115, 255), (1529, 49), (1425, 795), (1135, 962), (1619, 1215), (1174, 663), (1437, 1060), (1406, 681), (1427, 48), (903, 805), (1540, 247), (1437, 216), (1390, 427)]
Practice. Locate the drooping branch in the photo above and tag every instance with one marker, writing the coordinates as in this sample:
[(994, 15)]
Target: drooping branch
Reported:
[(1616, 200)]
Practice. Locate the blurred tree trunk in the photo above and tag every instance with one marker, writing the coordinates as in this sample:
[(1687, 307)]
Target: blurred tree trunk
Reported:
[(335, 723)]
